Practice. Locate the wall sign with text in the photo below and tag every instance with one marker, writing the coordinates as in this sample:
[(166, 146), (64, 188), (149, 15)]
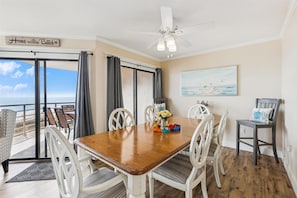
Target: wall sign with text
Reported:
[(33, 41)]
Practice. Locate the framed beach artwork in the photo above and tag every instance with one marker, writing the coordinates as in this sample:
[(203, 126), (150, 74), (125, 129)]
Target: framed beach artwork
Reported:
[(219, 81)]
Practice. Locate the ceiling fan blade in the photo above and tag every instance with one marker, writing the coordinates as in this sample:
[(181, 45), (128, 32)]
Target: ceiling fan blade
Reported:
[(202, 26), (144, 33), (153, 44), (183, 42), (166, 18)]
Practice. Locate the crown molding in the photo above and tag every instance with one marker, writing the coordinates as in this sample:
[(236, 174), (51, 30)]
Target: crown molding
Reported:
[(291, 9), (125, 48), (225, 48)]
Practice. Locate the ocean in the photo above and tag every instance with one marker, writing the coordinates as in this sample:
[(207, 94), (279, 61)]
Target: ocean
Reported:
[(17, 104), (224, 90)]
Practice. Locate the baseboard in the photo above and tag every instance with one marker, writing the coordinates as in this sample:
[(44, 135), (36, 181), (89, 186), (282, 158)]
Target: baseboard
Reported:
[(264, 151), (291, 178)]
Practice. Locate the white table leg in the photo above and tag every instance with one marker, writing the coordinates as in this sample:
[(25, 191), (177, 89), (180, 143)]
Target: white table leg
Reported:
[(137, 186)]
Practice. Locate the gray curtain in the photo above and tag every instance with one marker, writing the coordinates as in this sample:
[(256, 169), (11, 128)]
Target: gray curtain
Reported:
[(158, 89), (114, 85), (83, 115)]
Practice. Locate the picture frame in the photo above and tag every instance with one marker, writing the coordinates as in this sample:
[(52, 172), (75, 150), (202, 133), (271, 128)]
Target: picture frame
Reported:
[(218, 81)]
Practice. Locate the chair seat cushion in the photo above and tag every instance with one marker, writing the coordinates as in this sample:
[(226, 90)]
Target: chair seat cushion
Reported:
[(100, 176), (177, 169)]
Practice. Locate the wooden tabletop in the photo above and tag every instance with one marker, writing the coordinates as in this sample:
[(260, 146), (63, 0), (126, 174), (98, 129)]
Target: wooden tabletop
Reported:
[(138, 149)]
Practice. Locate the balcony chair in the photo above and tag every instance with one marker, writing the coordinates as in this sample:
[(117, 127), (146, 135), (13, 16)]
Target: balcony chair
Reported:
[(150, 113), (62, 122), (120, 118), (101, 183), (69, 112), (186, 172), (261, 118), (50, 117), (214, 154), (7, 126)]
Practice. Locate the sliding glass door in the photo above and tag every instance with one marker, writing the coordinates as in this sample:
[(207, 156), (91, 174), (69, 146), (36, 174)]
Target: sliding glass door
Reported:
[(29, 86), (137, 88), (17, 92), (58, 79)]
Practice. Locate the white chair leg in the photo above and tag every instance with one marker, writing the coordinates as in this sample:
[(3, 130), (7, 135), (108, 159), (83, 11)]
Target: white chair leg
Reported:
[(188, 193), (221, 166), (126, 185), (203, 186), (151, 186), (216, 172)]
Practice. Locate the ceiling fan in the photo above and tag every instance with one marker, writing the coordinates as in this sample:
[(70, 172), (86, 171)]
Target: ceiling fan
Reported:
[(169, 32)]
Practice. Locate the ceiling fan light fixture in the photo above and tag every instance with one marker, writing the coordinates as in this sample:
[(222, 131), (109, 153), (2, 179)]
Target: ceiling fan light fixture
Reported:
[(170, 42), (172, 48), (161, 45)]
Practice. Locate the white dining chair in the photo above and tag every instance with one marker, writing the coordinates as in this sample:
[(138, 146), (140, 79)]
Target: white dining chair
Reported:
[(214, 154), (186, 172), (120, 118), (198, 111), (150, 113), (100, 183)]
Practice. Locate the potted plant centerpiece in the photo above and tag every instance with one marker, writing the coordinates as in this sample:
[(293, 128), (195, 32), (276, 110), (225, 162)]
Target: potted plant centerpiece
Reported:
[(164, 115)]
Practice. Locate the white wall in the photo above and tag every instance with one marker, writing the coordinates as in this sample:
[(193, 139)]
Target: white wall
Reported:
[(259, 75), (289, 93), (99, 78)]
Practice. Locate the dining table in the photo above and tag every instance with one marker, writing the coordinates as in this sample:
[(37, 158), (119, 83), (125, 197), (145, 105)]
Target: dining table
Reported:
[(137, 150)]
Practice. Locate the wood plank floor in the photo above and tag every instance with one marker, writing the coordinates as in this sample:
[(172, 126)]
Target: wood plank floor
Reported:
[(243, 179)]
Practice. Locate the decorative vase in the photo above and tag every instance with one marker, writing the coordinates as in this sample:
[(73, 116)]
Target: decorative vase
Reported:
[(164, 123)]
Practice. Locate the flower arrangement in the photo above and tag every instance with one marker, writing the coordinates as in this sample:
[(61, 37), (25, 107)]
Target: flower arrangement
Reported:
[(164, 114)]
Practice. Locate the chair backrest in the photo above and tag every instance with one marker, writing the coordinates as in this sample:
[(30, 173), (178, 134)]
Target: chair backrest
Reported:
[(150, 113), (200, 142), (68, 108), (198, 111), (7, 126), (160, 100), (221, 128), (120, 118), (65, 163), (50, 117), (61, 118), (269, 103)]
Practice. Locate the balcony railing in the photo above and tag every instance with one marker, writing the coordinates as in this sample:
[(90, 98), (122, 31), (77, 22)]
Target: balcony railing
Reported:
[(25, 120)]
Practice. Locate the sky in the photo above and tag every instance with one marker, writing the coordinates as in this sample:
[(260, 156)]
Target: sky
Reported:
[(17, 80)]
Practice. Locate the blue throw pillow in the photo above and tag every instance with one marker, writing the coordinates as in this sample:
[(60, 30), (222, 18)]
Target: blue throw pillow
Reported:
[(160, 107), (261, 114)]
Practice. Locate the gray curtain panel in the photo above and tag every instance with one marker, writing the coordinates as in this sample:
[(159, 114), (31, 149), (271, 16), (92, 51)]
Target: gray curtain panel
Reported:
[(158, 89), (83, 115), (114, 85)]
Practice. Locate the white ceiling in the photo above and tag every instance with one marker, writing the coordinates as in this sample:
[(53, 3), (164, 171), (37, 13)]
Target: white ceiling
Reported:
[(134, 24)]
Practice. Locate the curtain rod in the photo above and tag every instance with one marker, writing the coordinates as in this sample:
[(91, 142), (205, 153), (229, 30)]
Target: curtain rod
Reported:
[(136, 64), (40, 52)]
